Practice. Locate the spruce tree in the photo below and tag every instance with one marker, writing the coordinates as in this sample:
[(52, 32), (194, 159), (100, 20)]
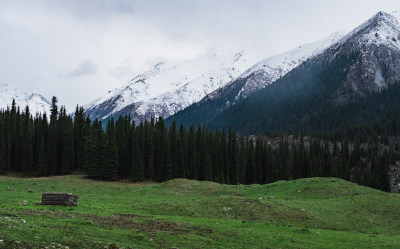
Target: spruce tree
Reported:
[(27, 155), (111, 154), (42, 159), (173, 166), (137, 162), (149, 150), (233, 158), (191, 154), (13, 134), (122, 139), (53, 138), (2, 149), (242, 161), (383, 172), (205, 165), (68, 160), (94, 159), (79, 137)]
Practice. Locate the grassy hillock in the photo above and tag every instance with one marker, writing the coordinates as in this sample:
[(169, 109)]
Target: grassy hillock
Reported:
[(305, 213)]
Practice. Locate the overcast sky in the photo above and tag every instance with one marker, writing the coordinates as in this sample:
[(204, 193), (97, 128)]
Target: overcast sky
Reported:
[(78, 50)]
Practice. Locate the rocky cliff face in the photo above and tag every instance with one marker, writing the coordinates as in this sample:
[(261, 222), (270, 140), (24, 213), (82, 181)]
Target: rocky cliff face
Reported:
[(377, 43), (395, 178)]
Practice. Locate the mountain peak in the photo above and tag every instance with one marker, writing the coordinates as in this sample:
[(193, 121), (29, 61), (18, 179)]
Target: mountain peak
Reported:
[(36, 102), (170, 86), (384, 19), (382, 28)]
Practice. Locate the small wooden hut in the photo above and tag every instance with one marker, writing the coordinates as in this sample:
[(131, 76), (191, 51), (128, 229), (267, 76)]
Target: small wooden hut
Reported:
[(64, 199)]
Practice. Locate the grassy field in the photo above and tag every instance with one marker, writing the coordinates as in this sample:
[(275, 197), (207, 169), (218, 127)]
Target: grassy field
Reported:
[(305, 213)]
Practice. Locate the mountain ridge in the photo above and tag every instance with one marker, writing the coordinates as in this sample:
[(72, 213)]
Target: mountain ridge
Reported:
[(36, 102), (353, 68), (169, 87)]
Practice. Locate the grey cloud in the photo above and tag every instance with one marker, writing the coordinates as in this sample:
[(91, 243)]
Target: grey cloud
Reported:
[(122, 71), (86, 67)]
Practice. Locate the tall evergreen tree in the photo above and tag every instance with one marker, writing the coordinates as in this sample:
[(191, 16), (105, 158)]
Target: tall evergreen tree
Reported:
[(2, 149), (79, 137), (53, 138), (68, 160), (137, 163), (42, 159), (111, 154), (27, 155)]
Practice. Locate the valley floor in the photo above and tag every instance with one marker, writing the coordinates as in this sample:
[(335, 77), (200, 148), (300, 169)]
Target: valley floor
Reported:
[(305, 213)]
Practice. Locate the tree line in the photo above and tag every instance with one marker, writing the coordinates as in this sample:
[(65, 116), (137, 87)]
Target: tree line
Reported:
[(36, 145)]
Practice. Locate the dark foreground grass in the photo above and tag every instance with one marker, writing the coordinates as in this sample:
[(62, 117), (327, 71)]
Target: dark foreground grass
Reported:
[(305, 213)]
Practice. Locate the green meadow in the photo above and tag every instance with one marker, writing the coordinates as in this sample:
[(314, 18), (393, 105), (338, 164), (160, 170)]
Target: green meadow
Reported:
[(304, 213)]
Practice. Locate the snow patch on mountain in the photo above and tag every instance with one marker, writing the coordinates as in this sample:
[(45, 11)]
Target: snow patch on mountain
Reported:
[(381, 29), (36, 102), (269, 70), (170, 86)]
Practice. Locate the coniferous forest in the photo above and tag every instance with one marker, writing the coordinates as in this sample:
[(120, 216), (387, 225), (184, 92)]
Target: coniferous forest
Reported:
[(37, 145)]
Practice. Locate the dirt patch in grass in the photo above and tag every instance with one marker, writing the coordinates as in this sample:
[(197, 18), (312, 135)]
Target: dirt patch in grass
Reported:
[(135, 222), (15, 244), (50, 213), (121, 182)]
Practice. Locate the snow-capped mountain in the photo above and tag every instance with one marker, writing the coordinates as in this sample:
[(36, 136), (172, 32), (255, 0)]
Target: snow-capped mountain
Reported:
[(169, 87), (327, 90), (269, 70), (36, 102), (377, 41), (257, 77)]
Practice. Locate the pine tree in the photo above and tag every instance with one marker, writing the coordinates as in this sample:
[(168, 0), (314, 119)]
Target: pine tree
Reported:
[(383, 172), (233, 162), (259, 167), (42, 159), (179, 159), (137, 164), (204, 164), (94, 159), (79, 137), (122, 137), (148, 152), (250, 163), (68, 160), (191, 154), (27, 155), (173, 151), (13, 134), (111, 154), (242, 161), (53, 138), (2, 149), (7, 140)]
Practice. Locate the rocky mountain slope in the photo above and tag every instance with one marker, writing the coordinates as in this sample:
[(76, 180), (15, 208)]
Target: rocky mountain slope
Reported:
[(269, 70), (377, 43), (253, 79), (36, 102)]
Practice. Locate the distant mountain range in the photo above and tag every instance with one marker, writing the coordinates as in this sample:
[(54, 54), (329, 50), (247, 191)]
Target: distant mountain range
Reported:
[(169, 87), (36, 102)]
